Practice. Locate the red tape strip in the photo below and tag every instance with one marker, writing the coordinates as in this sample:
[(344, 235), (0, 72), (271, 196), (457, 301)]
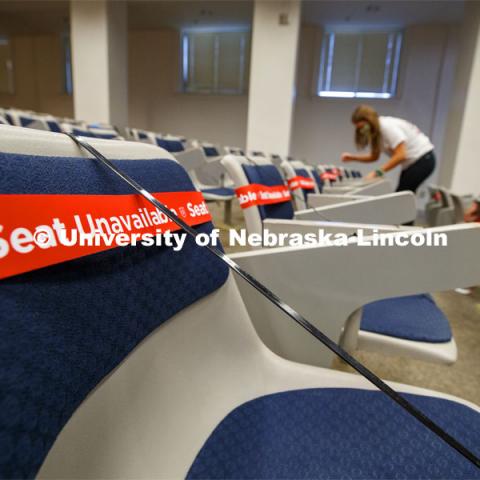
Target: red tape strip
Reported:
[(328, 176), (35, 229), (257, 194), (305, 183)]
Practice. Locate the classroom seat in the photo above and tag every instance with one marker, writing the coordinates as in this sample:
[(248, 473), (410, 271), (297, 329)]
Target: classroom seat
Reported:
[(395, 208), (296, 168), (84, 131), (210, 150), (319, 196), (388, 324), (398, 317), (338, 182), (233, 150), (169, 379), (333, 449), (23, 118), (206, 175)]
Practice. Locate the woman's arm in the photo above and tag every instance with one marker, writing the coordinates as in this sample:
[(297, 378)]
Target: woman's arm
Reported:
[(373, 156), (398, 156)]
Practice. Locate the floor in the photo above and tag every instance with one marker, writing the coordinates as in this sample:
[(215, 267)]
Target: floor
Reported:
[(463, 311)]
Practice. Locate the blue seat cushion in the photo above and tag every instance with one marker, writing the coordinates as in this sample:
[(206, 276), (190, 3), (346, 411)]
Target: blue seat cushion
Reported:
[(210, 151), (335, 433), (270, 176), (26, 121), (414, 317), (302, 172), (224, 192), (54, 126), (171, 146), (90, 134), (65, 327), (320, 183)]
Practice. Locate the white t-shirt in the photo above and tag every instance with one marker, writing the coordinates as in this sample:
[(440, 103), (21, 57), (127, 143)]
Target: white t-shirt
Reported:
[(396, 130)]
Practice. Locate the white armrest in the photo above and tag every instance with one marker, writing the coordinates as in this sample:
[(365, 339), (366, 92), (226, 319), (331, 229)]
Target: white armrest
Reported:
[(322, 199), (213, 159), (338, 190), (327, 284), (191, 159), (278, 226), (394, 208), (212, 172), (379, 187)]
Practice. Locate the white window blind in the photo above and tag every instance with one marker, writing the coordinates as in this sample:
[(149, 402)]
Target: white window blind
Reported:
[(215, 62), (361, 64)]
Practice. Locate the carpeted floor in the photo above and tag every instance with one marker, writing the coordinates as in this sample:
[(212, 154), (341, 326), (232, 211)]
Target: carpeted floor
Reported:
[(461, 379)]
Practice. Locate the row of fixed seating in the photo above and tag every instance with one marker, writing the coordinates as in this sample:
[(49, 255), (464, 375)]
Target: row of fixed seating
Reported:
[(201, 159), (142, 362), (382, 326)]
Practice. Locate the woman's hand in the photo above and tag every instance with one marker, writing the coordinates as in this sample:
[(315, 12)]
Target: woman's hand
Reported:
[(371, 176), (346, 157)]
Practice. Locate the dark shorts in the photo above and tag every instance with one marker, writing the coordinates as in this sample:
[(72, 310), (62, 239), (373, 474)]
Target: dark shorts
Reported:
[(413, 176)]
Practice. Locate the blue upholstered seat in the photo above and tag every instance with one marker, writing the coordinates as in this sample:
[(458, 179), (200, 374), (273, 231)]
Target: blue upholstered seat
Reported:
[(64, 327), (210, 151), (302, 172), (270, 176), (223, 192), (414, 317), (334, 433), (25, 121), (54, 126), (172, 146), (257, 153), (318, 180), (92, 134)]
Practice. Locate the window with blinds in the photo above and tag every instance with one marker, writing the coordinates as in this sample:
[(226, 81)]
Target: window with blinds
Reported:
[(215, 62), (6, 66), (363, 65)]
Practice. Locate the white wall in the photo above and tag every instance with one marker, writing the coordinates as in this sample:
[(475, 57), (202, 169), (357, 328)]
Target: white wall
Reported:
[(155, 102), (38, 75), (322, 128), (461, 169)]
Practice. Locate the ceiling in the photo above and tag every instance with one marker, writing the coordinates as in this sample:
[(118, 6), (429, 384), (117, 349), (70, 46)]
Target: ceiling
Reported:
[(386, 12), (144, 14), (44, 15), (39, 16)]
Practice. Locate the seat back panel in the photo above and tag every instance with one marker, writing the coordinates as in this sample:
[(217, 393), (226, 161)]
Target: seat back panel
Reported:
[(270, 176), (65, 327)]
